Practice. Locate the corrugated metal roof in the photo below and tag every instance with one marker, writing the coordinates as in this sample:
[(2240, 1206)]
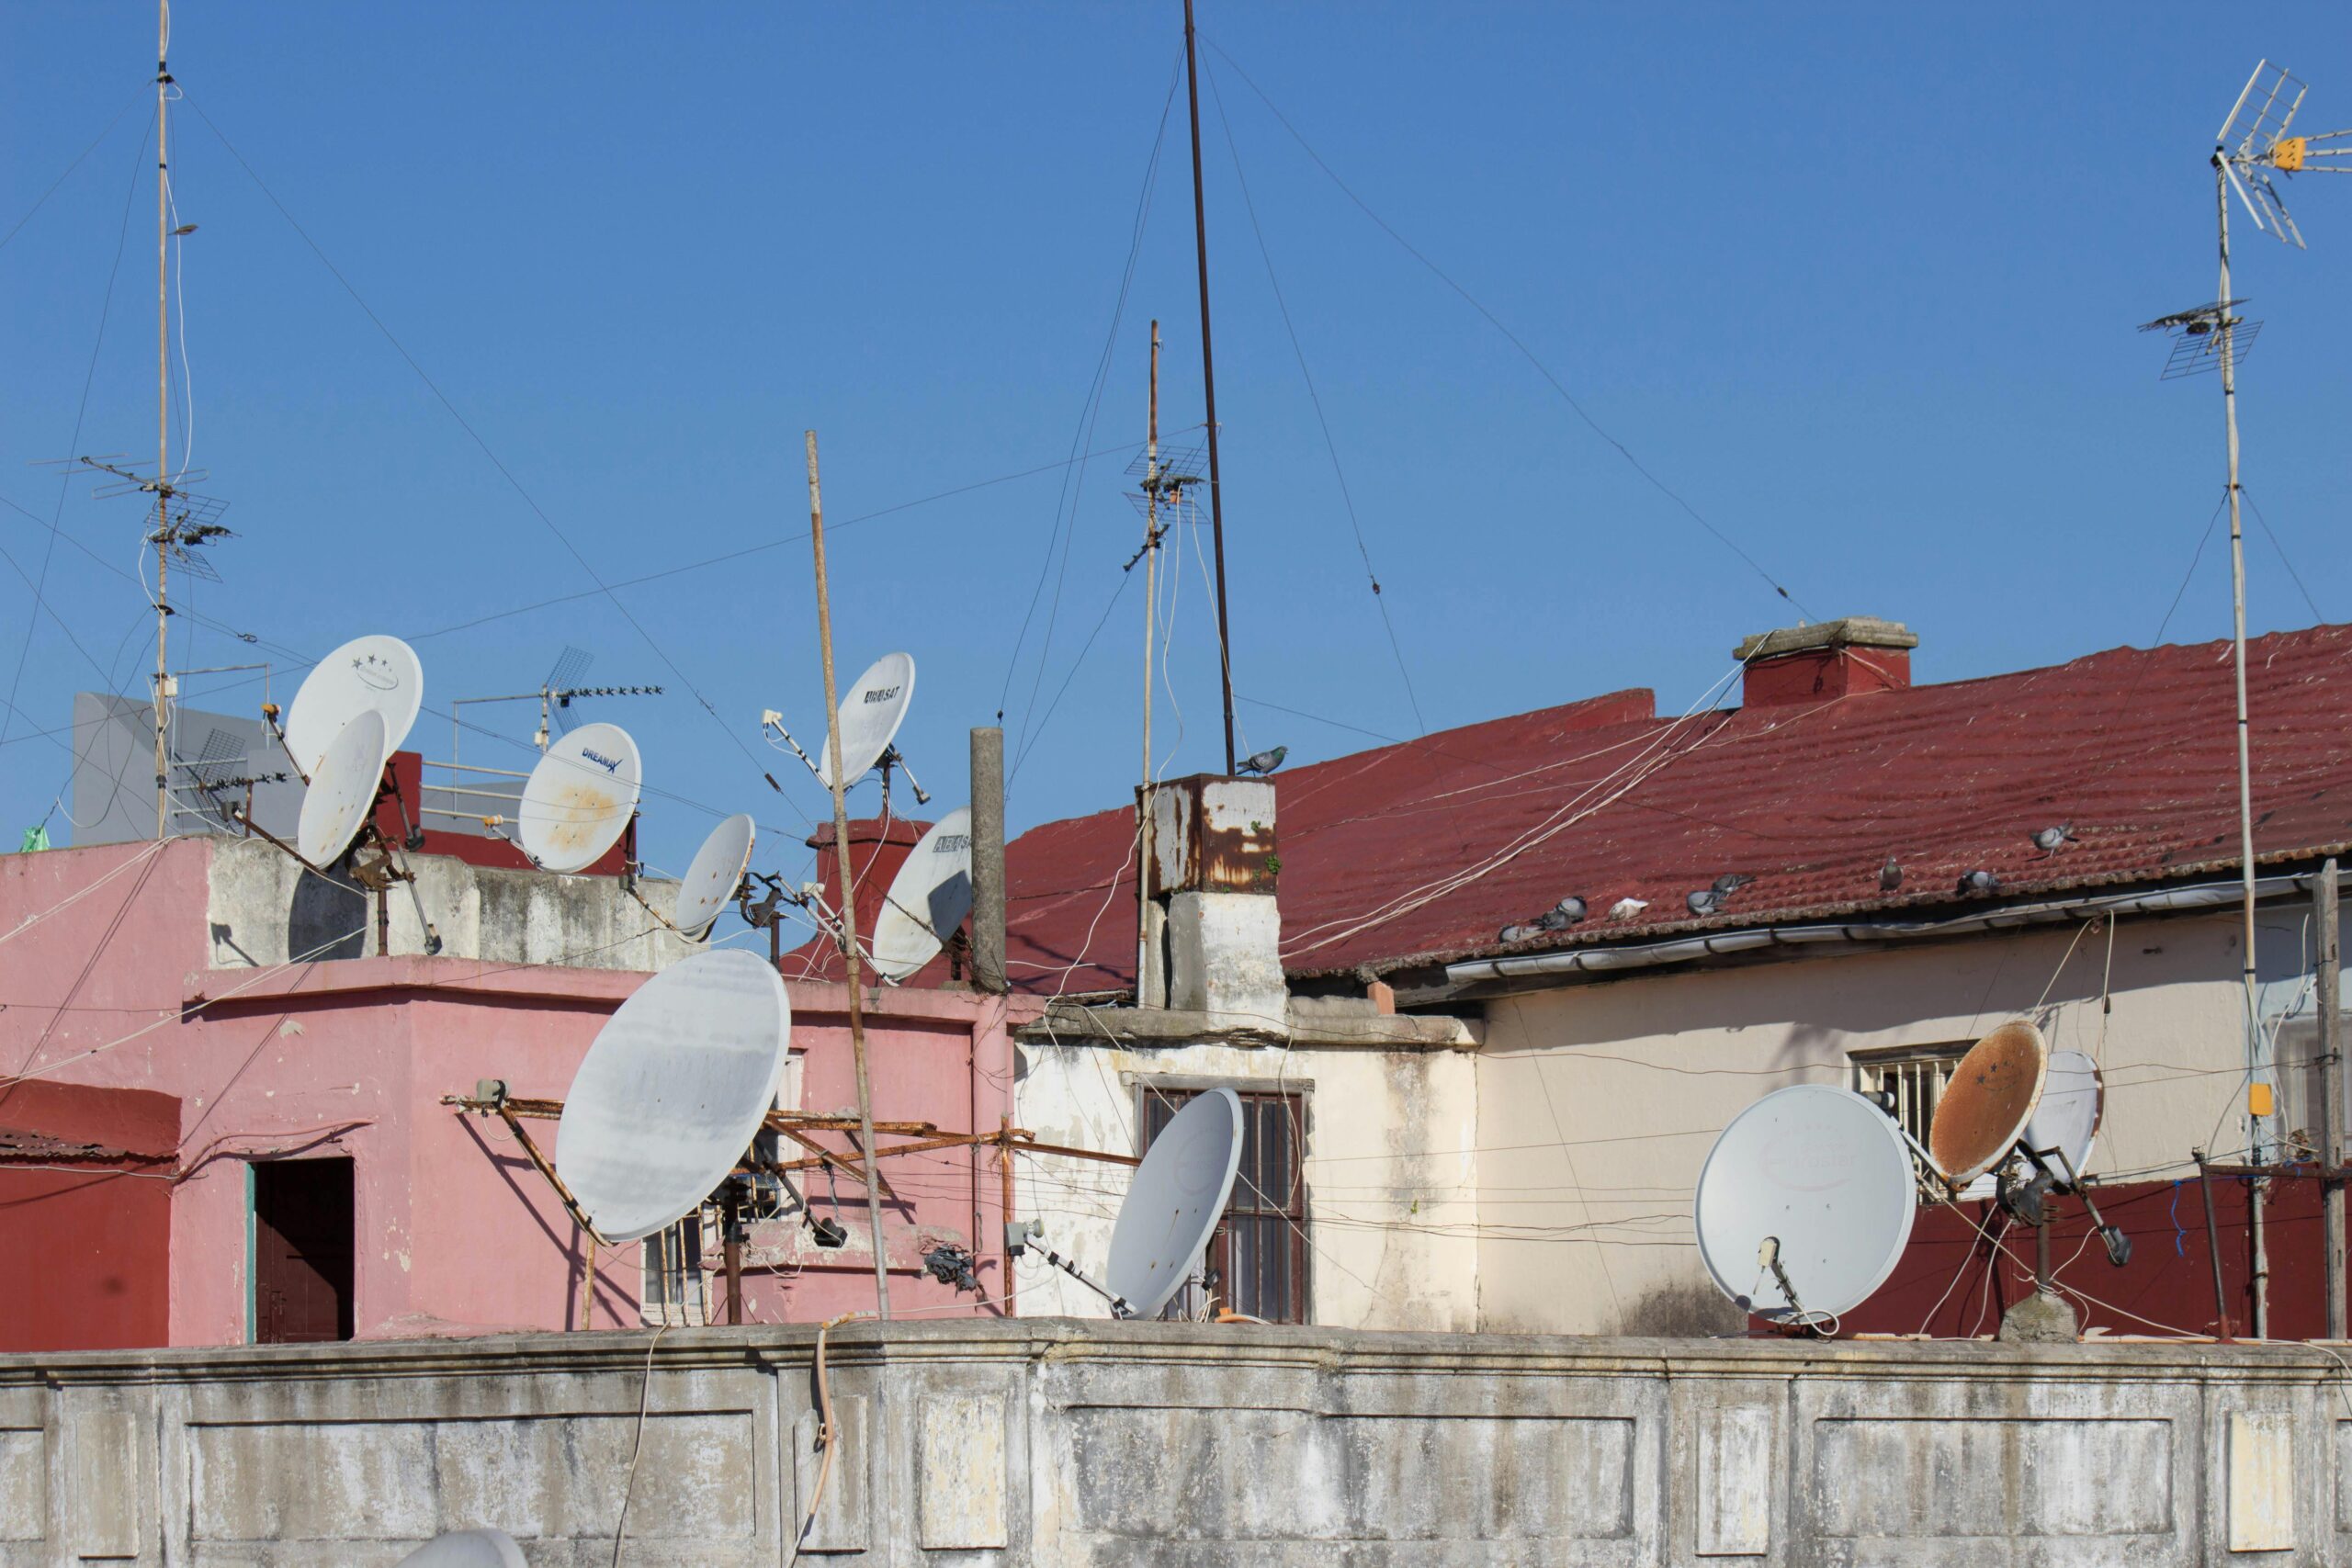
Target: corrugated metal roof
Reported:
[(1424, 852)]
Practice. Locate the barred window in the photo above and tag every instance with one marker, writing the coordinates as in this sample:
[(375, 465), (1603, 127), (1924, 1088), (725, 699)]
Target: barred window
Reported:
[(1258, 1256)]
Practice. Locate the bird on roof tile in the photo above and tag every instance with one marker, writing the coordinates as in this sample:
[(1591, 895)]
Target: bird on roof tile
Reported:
[(1890, 875), (1626, 908), (1983, 881), (1703, 902), (1731, 882), (1571, 908), (2048, 839), (1262, 762)]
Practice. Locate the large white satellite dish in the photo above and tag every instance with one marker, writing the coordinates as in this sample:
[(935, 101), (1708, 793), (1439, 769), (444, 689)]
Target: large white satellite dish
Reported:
[(671, 1094), (714, 875), (467, 1548), (872, 711), (580, 797), (928, 898), (1175, 1200), (378, 673), (2067, 1118), (1825, 1175), (341, 790)]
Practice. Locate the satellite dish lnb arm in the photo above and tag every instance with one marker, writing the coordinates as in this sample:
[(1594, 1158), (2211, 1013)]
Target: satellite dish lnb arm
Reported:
[(1119, 1307)]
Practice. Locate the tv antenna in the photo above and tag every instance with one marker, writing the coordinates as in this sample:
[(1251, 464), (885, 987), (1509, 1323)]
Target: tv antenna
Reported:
[(2252, 144), (561, 686)]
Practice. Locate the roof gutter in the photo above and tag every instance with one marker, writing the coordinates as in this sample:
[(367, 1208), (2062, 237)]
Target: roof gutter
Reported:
[(1857, 936)]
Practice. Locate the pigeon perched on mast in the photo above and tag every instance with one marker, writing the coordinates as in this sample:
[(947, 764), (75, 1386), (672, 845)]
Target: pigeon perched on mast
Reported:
[(1263, 763)]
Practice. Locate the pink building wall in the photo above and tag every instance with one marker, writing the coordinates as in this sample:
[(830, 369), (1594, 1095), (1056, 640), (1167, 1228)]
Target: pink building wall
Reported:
[(104, 979)]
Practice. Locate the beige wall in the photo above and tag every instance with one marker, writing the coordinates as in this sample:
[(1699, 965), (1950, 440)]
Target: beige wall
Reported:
[(1597, 1102), (1391, 1219)]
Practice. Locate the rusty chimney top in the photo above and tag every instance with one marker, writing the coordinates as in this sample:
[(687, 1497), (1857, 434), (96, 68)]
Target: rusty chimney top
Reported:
[(1830, 659)]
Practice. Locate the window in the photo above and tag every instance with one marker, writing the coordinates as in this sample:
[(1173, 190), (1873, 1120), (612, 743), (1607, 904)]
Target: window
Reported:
[(303, 1251), (1258, 1255), (673, 1284), (1916, 1078)]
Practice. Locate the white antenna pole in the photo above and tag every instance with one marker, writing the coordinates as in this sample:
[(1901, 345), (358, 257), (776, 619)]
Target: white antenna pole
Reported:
[(1150, 612), (2254, 1062), (163, 413)]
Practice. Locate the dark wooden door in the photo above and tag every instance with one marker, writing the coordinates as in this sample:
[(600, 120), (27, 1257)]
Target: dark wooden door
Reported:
[(303, 1251)]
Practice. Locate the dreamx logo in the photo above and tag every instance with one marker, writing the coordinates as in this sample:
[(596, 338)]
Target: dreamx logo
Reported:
[(610, 764), (880, 695)]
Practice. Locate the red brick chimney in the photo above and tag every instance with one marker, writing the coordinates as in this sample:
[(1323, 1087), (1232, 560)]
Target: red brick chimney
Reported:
[(877, 849), (1829, 659)]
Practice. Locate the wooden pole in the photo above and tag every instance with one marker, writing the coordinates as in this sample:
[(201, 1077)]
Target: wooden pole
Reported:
[(2325, 897), (848, 895), (1209, 386), (163, 413), (1143, 996), (1004, 1166)]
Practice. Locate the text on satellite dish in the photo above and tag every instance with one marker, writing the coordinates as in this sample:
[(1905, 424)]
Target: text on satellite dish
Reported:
[(610, 764)]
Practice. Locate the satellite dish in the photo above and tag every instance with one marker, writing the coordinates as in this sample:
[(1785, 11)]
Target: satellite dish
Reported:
[(341, 789), (1985, 1109), (2073, 1100), (714, 874), (467, 1549), (379, 673), (928, 898), (1823, 1174), (672, 1092), (580, 797), (1175, 1200), (870, 713)]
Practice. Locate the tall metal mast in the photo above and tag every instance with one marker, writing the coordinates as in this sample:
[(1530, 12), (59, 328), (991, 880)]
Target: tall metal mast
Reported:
[(2229, 323), (162, 413), (1150, 614), (1208, 385)]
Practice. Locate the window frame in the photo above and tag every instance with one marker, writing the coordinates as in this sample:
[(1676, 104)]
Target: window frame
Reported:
[(1296, 1096)]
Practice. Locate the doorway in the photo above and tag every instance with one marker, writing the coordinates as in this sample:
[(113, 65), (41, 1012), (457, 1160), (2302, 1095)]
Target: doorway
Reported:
[(303, 1251)]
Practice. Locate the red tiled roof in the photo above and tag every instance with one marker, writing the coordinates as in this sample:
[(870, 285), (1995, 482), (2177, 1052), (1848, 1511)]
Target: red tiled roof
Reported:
[(2134, 748)]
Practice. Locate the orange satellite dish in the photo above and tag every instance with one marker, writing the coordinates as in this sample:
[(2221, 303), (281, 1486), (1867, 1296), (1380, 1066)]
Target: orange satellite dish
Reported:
[(1992, 1096)]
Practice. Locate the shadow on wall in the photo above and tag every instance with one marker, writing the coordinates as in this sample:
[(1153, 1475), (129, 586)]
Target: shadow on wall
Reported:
[(1693, 1310), (327, 918)]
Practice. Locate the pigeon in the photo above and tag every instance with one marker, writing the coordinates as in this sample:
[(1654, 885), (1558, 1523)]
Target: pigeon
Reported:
[(1518, 933), (1980, 882), (1626, 908), (1731, 882), (1263, 763), (1554, 921), (1703, 901), (1890, 875), (2048, 839), (1571, 908)]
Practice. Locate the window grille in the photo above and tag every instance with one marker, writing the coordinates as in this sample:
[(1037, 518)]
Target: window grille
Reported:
[(1915, 1079), (674, 1280), (1258, 1256)]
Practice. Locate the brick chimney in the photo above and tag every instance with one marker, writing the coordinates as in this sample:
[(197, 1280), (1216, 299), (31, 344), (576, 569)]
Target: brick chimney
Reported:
[(877, 849), (1829, 659)]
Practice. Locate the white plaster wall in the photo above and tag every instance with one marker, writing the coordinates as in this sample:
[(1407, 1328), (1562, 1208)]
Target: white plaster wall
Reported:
[(1391, 1219), (1598, 1102)]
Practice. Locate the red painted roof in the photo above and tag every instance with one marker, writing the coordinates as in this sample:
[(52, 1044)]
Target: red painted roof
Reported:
[(1423, 851)]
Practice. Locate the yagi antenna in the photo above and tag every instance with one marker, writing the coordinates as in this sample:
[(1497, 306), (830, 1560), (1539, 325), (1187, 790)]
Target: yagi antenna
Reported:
[(2254, 143)]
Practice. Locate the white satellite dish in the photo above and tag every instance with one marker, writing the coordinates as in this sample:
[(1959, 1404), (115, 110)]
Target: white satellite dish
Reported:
[(1826, 1176), (714, 875), (871, 713), (1175, 1200), (369, 672), (580, 797), (928, 898), (467, 1548), (672, 1092), (341, 790), (2067, 1118)]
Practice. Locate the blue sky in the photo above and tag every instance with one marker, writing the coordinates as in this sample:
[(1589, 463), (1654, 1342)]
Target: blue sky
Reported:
[(1857, 282)]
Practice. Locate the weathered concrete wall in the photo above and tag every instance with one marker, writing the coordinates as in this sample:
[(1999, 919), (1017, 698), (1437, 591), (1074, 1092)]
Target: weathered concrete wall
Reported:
[(1597, 1103), (1060, 1443), (265, 908), (1391, 1135)]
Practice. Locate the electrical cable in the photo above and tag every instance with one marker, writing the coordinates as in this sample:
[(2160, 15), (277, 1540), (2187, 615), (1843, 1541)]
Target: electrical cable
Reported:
[(2296, 577), (644, 1398), (42, 199), (1510, 336), (1330, 444)]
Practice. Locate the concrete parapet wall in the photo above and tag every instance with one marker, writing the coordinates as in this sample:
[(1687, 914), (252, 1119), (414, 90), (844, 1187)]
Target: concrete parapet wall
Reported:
[(1063, 1442)]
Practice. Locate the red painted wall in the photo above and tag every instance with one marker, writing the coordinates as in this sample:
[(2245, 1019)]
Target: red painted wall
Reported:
[(87, 1240), (2166, 1288)]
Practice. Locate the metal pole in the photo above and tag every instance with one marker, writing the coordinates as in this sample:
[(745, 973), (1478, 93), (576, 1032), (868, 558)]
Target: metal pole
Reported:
[(162, 410), (1150, 613), (849, 895), (1208, 385), (2258, 1150), (987, 861), (2324, 895), (1004, 1164), (2213, 1243)]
